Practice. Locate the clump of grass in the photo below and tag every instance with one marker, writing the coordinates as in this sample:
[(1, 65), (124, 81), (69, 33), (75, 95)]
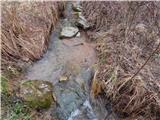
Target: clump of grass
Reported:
[(131, 98), (13, 108), (19, 112), (26, 28), (127, 35)]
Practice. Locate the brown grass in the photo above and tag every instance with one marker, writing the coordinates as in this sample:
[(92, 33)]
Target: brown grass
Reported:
[(25, 29), (126, 34)]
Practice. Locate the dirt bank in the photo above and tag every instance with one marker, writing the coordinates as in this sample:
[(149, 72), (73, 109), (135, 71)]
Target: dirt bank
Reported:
[(127, 33), (25, 31)]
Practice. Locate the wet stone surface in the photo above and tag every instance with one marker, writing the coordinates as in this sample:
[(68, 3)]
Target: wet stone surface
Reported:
[(71, 94), (82, 22), (68, 32), (37, 93)]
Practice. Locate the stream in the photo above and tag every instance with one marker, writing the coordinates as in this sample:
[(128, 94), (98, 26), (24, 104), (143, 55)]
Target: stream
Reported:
[(73, 58)]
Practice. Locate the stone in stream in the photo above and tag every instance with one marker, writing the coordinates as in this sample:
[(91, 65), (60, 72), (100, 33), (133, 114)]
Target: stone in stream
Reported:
[(69, 32), (78, 34), (63, 78), (82, 22), (37, 93), (76, 7)]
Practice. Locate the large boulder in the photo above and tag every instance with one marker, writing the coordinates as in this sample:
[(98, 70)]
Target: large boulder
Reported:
[(37, 93)]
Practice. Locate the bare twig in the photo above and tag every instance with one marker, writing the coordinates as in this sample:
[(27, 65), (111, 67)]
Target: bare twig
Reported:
[(154, 51)]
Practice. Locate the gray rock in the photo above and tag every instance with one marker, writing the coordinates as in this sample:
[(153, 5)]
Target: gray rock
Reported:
[(84, 78), (78, 34), (36, 93), (82, 22), (76, 7), (69, 96), (69, 32)]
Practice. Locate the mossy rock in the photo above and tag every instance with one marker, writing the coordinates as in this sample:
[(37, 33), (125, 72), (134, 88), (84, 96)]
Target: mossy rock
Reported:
[(37, 93), (5, 86)]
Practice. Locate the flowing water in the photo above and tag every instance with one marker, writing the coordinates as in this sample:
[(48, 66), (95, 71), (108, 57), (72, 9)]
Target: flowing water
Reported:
[(74, 58)]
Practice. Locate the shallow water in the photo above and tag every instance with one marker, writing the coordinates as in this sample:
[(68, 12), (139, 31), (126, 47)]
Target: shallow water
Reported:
[(68, 55), (85, 112), (61, 52)]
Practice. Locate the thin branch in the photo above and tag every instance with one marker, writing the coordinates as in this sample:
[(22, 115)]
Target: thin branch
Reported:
[(154, 51)]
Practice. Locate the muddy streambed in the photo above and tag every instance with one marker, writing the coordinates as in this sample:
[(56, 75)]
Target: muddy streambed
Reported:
[(73, 58)]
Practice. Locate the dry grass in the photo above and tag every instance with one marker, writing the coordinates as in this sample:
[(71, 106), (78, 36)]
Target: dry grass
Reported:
[(131, 99), (26, 28), (126, 35)]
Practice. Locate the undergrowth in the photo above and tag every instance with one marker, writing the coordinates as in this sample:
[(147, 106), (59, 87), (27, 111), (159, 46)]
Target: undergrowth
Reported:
[(13, 108), (127, 33)]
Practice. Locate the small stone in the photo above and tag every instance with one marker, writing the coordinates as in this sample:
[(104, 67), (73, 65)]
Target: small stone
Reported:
[(37, 93), (76, 7), (69, 32), (78, 34), (63, 78)]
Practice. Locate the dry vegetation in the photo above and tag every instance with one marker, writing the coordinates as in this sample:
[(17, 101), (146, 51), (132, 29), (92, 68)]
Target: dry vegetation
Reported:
[(127, 33), (26, 28), (25, 31)]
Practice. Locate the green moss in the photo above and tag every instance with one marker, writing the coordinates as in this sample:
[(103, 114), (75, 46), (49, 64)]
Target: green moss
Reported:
[(37, 93), (4, 85)]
